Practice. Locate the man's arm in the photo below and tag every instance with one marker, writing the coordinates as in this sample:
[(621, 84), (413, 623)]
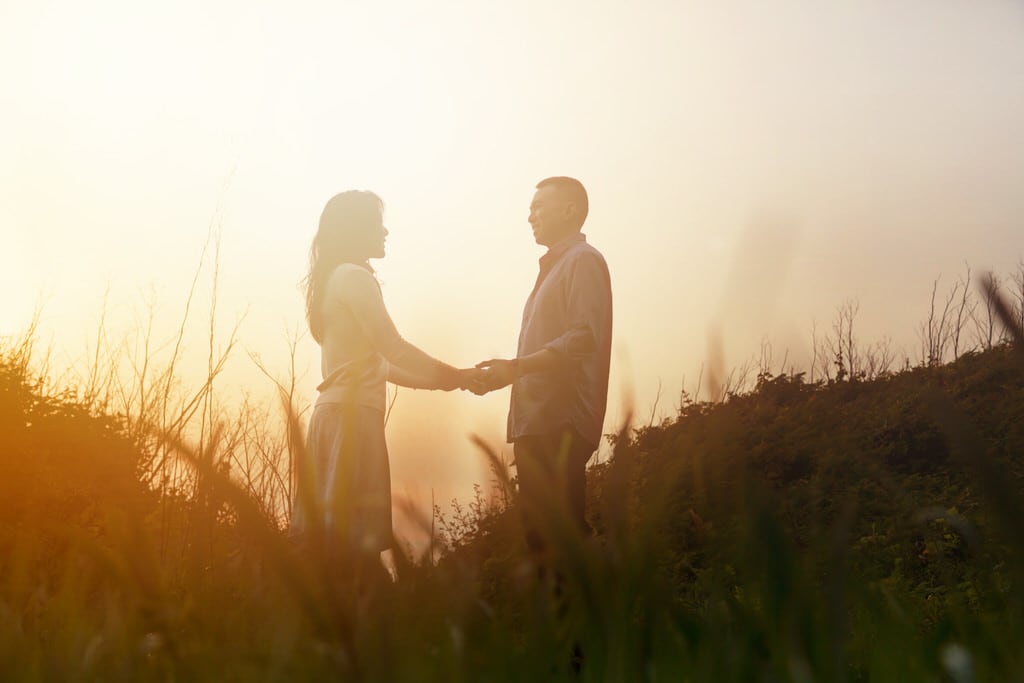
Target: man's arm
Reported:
[(501, 372), (589, 314), (588, 309)]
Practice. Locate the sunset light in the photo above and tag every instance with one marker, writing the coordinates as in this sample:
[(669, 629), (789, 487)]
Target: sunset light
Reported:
[(789, 195)]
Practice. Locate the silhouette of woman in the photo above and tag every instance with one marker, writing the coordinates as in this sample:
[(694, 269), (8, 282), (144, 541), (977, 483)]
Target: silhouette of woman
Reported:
[(344, 487)]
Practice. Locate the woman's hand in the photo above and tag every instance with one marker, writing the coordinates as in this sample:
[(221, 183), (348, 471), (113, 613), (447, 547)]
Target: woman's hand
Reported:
[(458, 378), (475, 380), (467, 379)]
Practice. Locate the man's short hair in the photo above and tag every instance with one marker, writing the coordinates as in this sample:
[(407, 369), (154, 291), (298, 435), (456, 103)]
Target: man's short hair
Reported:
[(575, 191)]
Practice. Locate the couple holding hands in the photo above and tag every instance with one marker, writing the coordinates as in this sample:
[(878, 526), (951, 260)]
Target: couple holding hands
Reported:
[(559, 376)]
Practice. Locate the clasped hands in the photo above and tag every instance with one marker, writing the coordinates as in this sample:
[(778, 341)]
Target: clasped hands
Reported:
[(487, 376)]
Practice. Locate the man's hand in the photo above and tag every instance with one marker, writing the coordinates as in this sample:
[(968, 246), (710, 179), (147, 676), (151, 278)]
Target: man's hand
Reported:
[(500, 372)]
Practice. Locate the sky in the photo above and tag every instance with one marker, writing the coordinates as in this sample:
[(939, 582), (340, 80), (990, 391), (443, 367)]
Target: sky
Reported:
[(750, 166)]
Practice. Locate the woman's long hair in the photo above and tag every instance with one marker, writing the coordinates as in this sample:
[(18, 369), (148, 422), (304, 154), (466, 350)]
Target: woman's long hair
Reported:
[(345, 224)]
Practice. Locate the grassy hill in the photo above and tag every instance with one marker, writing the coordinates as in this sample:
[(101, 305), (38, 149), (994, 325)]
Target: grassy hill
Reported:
[(849, 530), (846, 530)]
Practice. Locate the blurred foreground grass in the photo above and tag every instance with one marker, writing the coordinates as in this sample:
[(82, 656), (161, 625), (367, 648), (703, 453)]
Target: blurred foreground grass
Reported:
[(836, 531)]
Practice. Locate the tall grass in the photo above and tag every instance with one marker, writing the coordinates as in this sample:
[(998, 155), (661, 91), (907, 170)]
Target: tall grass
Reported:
[(150, 545)]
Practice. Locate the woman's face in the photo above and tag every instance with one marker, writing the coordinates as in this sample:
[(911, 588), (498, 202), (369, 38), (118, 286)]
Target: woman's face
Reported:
[(365, 239), (376, 236)]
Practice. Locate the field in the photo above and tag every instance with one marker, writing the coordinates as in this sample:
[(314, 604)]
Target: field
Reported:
[(860, 526)]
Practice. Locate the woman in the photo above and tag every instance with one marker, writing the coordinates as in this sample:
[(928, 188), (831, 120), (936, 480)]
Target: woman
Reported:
[(345, 483)]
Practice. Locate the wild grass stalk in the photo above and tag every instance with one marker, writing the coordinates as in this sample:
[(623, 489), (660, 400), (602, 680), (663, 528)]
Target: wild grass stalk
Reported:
[(840, 530)]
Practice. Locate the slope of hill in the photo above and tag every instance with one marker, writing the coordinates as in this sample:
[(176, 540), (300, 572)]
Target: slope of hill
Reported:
[(858, 529), (865, 530)]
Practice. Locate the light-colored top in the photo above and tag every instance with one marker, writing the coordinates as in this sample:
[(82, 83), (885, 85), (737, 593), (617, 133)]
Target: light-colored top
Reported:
[(570, 313), (360, 341)]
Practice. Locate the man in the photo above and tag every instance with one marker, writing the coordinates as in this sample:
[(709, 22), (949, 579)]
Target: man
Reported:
[(559, 376)]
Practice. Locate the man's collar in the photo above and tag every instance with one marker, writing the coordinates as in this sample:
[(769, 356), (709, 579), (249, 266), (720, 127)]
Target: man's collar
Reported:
[(559, 248)]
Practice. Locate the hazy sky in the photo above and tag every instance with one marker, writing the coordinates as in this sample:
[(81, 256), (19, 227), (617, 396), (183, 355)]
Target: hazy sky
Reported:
[(750, 165)]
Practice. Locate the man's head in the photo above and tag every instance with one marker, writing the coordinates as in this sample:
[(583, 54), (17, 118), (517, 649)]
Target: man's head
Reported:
[(558, 210)]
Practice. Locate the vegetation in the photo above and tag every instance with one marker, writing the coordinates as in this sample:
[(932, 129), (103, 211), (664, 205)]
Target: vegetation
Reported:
[(861, 526)]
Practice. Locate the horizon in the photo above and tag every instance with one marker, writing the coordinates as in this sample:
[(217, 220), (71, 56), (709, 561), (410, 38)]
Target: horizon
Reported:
[(749, 170)]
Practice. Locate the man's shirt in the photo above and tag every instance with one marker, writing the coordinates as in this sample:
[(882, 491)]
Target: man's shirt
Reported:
[(570, 313)]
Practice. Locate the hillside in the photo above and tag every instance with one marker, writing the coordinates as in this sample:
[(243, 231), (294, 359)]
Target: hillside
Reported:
[(864, 530), (868, 528)]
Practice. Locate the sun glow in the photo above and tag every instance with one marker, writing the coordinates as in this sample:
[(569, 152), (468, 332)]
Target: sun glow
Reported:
[(130, 130)]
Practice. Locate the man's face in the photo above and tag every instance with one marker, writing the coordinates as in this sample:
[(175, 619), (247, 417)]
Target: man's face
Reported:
[(551, 215)]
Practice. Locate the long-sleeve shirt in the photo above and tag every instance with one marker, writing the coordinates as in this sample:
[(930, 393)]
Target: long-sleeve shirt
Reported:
[(569, 312), (360, 341)]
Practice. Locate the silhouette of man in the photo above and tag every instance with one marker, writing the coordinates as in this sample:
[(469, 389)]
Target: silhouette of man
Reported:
[(559, 376)]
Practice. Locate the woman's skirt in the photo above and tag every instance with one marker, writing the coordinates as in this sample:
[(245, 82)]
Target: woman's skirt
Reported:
[(344, 481)]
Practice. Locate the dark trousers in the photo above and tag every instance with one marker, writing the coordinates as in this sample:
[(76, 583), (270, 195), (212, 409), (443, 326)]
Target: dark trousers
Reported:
[(552, 483)]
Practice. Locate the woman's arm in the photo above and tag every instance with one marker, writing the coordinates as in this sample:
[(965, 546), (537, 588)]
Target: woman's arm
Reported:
[(468, 378), (420, 370), (404, 378)]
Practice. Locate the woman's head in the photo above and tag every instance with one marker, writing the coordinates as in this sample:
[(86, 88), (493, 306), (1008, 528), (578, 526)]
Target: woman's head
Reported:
[(351, 231), (351, 228)]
